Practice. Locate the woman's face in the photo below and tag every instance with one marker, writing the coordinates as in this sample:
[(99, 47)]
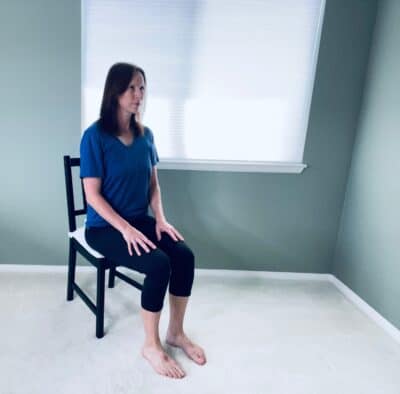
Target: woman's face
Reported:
[(132, 98)]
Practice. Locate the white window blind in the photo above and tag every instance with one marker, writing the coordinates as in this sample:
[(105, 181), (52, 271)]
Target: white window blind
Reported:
[(228, 81)]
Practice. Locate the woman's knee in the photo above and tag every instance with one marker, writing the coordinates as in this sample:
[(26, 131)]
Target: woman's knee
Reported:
[(184, 256), (182, 272), (158, 272), (160, 265)]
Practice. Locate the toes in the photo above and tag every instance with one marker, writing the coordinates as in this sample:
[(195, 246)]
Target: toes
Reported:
[(163, 371), (179, 372), (166, 367), (169, 367), (202, 357), (199, 356), (182, 372), (171, 373), (177, 369)]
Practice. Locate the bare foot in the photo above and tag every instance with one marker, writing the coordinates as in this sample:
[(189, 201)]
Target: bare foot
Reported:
[(161, 362), (193, 351)]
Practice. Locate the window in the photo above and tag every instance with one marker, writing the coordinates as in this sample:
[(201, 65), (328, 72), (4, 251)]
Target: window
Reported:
[(229, 81)]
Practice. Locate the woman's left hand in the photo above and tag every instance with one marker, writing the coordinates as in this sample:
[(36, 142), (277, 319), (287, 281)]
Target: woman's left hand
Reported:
[(164, 226)]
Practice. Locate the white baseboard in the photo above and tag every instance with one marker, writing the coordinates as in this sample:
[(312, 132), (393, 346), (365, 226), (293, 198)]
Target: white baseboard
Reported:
[(262, 274), (393, 331)]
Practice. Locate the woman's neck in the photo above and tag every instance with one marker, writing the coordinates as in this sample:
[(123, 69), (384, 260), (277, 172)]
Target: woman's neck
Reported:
[(124, 122)]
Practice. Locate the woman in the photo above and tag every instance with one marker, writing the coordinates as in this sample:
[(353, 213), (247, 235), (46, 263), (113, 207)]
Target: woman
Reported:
[(118, 168)]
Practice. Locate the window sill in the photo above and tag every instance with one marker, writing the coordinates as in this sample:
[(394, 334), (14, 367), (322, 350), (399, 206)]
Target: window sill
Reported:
[(231, 166)]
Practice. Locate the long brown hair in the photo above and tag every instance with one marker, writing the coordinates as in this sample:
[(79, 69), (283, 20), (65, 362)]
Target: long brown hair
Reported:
[(118, 78)]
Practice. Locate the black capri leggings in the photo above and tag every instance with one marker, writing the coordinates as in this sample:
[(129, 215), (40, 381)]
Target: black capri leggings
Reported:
[(172, 262)]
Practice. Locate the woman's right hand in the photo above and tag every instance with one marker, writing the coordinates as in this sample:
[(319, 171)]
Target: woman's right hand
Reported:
[(133, 236)]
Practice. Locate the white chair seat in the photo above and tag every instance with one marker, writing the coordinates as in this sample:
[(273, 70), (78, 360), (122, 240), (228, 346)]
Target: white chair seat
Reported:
[(79, 235)]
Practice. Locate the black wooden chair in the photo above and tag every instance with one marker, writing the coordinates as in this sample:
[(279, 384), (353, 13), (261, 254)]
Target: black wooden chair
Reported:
[(77, 243)]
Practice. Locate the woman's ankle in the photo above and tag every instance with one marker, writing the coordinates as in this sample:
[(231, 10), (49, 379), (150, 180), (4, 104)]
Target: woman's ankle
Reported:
[(174, 332), (152, 343)]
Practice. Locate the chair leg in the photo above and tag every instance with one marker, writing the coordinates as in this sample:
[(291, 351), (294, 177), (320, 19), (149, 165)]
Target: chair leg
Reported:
[(71, 271), (111, 277), (100, 302)]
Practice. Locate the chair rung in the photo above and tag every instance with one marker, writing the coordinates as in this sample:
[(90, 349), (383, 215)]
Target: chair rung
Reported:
[(75, 161), (86, 299), (129, 280)]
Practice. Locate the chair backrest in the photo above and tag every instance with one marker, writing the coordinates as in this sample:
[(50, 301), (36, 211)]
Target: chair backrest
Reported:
[(70, 162)]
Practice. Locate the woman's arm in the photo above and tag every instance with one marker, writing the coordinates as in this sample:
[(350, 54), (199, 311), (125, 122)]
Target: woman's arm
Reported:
[(156, 206), (132, 236), (100, 205), (155, 196)]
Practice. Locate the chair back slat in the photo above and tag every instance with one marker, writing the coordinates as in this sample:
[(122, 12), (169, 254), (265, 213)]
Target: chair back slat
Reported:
[(83, 196), (70, 162)]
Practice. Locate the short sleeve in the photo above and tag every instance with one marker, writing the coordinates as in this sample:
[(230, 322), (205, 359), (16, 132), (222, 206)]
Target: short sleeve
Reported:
[(91, 155), (153, 152)]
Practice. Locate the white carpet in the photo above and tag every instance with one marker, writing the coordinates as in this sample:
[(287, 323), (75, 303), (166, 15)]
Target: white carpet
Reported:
[(260, 335)]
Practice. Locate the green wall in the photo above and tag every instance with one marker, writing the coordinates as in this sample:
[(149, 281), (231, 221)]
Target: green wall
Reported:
[(231, 220), (287, 222), (367, 254), (39, 122)]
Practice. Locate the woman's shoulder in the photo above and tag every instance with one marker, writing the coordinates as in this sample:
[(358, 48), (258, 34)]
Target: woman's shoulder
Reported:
[(148, 133), (93, 137), (95, 132), (92, 131)]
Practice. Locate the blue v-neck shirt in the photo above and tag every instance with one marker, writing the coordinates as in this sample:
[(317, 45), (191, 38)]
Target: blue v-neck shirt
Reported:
[(125, 171)]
